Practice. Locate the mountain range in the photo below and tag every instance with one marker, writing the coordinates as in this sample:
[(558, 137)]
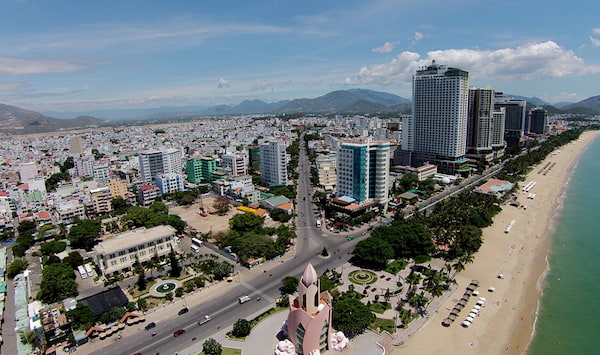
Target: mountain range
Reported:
[(15, 120)]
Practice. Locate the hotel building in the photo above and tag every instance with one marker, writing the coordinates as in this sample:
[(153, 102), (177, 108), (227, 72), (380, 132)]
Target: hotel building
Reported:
[(273, 163)]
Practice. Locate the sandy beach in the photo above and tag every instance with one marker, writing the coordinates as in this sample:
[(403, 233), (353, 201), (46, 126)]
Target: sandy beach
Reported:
[(505, 324)]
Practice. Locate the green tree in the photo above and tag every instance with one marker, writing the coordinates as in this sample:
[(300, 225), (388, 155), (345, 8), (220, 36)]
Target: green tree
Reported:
[(176, 222), (85, 234), (211, 347), (221, 205), (241, 328), (58, 283), (142, 303), (53, 247), (52, 182), (159, 207), (74, 259), (372, 253), (81, 317), (175, 267), (141, 282), (16, 267), (246, 222), (351, 316), (119, 205), (290, 285), (222, 270)]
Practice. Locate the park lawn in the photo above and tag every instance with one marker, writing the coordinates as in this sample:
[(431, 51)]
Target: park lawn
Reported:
[(396, 266), (228, 351), (381, 324), (380, 307)]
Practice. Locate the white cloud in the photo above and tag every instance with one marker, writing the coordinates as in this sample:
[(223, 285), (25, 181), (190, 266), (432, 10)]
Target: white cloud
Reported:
[(12, 85), (418, 36), (530, 61), (595, 41), (223, 83), (27, 66), (386, 48)]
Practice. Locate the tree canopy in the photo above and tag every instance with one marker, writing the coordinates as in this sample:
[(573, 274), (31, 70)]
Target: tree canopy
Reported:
[(85, 234), (58, 282), (372, 253), (211, 347), (351, 316)]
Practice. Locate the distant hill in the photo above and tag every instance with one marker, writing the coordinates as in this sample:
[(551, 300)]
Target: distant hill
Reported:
[(530, 100), (342, 100), (15, 120), (589, 105)]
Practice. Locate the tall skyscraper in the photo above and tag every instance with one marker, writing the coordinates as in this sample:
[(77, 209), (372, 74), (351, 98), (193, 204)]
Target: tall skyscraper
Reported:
[(156, 162), (363, 170), (538, 121), (438, 126), (485, 125), (273, 162), (515, 114)]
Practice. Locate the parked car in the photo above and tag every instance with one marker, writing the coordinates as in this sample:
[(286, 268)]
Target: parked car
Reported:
[(150, 326), (178, 332), (183, 311)]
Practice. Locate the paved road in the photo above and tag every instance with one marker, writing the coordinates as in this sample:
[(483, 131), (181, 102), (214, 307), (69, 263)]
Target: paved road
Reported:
[(226, 310)]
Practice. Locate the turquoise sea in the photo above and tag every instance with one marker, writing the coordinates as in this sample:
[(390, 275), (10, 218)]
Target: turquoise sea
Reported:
[(569, 313)]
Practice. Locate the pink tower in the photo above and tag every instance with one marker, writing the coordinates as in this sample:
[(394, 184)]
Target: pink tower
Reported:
[(309, 322)]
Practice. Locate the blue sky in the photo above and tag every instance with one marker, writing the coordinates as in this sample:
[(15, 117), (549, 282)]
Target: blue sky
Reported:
[(68, 55)]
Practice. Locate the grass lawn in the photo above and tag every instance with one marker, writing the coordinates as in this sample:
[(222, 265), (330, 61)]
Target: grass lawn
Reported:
[(396, 266), (381, 324), (380, 307), (229, 351)]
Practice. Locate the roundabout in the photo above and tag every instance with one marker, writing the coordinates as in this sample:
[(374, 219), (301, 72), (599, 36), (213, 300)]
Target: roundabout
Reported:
[(362, 277), (163, 287)]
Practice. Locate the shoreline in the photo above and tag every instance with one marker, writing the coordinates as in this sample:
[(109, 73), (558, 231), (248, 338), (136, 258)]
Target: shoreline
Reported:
[(507, 322)]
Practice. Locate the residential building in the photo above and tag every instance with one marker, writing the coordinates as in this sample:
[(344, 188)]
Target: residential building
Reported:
[(101, 172), (169, 183), (156, 162), (201, 169), (309, 322), (119, 253), (84, 166), (437, 131), (326, 165), (28, 171), (515, 116), (237, 164), (147, 194), (363, 170), (117, 187), (538, 121), (273, 163), (254, 157), (69, 210), (100, 201)]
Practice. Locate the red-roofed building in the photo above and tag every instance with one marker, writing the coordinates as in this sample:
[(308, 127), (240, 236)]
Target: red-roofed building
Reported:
[(44, 216), (147, 194)]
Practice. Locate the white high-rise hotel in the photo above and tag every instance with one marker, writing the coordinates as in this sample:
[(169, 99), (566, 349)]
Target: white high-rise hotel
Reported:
[(273, 162), (156, 162), (437, 131)]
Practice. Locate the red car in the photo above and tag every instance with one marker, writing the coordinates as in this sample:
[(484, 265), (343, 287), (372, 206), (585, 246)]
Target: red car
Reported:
[(178, 332)]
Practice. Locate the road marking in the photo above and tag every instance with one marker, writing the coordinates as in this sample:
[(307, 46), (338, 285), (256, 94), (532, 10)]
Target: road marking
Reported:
[(255, 290)]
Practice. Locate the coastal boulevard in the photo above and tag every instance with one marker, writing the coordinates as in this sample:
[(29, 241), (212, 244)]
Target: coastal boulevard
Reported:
[(224, 309)]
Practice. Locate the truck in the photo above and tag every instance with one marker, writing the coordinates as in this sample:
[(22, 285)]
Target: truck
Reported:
[(244, 299)]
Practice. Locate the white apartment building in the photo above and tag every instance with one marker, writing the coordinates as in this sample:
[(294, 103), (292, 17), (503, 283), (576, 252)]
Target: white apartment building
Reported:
[(326, 165), (101, 172), (100, 201), (84, 166), (120, 252), (156, 162), (236, 163), (169, 183), (273, 162)]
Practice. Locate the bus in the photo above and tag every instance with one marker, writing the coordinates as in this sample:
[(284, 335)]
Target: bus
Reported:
[(198, 242), (82, 272), (88, 270), (194, 248)]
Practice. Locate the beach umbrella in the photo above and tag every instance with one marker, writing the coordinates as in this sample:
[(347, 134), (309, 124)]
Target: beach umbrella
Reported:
[(475, 282), (472, 315), (452, 317), (454, 312), (446, 322), (491, 289), (466, 324), (471, 288), (482, 299), (459, 307), (102, 335), (121, 326), (475, 293), (475, 310), (477, 307), (462, 303), (466, 299), (469, 318)]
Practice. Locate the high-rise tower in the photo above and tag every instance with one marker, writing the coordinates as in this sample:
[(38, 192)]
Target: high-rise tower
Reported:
[(273, 163), (439, 117)]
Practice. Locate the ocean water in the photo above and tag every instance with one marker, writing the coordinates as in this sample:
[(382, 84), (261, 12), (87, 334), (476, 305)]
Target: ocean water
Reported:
[(569, 312)]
